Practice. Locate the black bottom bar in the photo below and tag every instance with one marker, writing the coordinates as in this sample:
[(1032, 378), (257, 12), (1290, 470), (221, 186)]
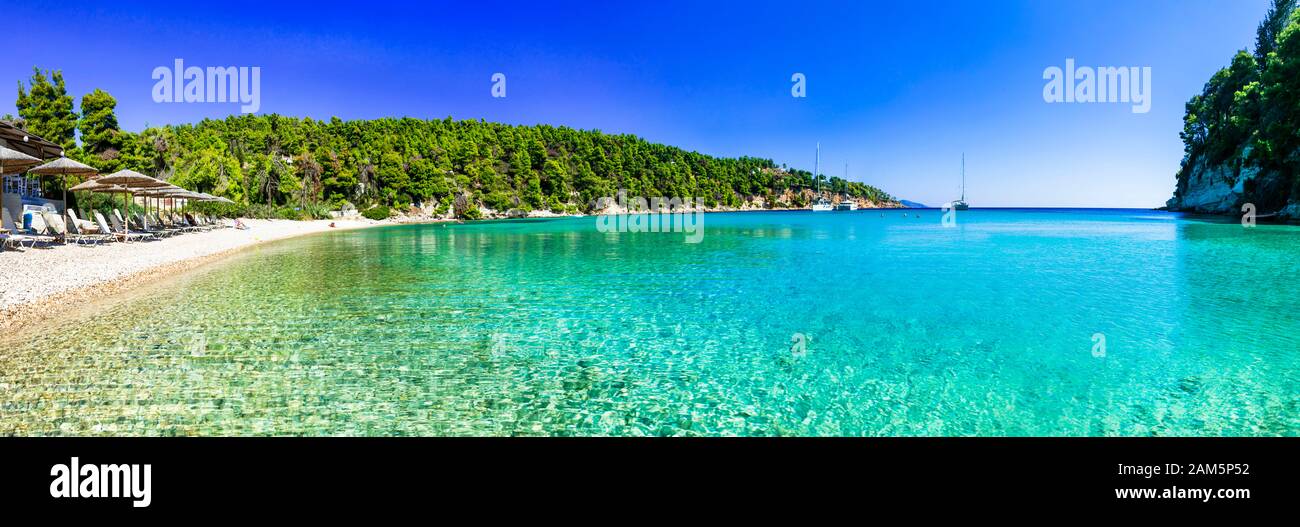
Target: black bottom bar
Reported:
[(323, 476)]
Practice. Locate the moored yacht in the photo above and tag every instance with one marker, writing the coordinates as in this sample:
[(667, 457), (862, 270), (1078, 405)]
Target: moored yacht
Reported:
[(820, 204), (960, 204), (848, 203)]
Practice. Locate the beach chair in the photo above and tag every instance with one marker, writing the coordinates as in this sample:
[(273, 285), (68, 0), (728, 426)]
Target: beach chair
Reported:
[(84, 226), (121, 236), (158, 224), (79, 226), (148, 226), (120, 225), (216, 221), (161, 221), (19, 237), (180, 223), (195, 221), (56, 227)]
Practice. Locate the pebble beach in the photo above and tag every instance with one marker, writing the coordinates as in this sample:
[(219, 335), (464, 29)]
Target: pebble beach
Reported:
[(67, 273)]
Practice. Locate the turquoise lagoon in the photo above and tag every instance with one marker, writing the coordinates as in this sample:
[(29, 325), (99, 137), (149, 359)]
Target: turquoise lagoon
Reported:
[(777, 323)]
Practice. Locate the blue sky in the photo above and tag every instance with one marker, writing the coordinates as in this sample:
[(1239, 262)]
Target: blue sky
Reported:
[(897, 90)]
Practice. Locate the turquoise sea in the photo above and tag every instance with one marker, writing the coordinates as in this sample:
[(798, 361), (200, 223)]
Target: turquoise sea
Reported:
[(776, 323)]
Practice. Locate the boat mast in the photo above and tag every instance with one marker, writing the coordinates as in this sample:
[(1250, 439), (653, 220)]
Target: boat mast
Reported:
[(963, 176), (817, 181)]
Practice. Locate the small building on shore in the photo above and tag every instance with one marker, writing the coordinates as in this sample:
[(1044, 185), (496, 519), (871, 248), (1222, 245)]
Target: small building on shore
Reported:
[(18, 191)]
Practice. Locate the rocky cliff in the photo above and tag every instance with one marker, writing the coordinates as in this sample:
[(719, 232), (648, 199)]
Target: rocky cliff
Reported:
[(1241, 134), (1224, 188)]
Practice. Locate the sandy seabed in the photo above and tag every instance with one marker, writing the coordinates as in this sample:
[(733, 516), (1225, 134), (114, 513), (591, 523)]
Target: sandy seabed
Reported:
[(39, 277)]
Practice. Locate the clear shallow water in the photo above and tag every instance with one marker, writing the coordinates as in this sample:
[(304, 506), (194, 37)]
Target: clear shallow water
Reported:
[(553, 328)]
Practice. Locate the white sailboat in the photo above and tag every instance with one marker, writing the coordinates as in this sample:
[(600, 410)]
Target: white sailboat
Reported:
[(960, 204), (820, 204), (848, 203)]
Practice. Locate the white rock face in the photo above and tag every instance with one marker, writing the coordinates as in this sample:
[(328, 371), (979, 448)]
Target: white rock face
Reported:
[(1213, 189), (1221, 189)]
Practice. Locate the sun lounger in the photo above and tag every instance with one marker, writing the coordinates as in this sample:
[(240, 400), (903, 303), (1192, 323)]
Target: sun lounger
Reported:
[(215, 222), (219, 222), (87, 229), (119, 235), (120, 225), (19, 237), (190, 219), (147, 226), (174, 222), (55, 226), (179, 223)]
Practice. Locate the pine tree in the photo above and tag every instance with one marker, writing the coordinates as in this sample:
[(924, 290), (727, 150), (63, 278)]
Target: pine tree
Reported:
[(47, 110), (99, 130), (1271, 28)]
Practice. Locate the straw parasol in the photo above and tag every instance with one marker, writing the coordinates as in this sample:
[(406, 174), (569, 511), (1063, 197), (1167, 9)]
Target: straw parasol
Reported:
[(15, 160), (90, 185), (133, 181), (94, 186), (64, 167), (158, 193)]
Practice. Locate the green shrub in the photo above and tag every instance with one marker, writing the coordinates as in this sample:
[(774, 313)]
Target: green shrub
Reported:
[(498, 201), (378, 212), (471, 213)]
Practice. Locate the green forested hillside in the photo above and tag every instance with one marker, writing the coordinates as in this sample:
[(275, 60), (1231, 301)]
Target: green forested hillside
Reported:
[(458, 165), (1246, 122)]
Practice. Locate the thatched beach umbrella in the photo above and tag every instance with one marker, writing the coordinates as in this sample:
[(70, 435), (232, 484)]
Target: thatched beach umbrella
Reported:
[(95, 186), (15, 161), (133, 181), (160, 193), (90, 185), (170, 192), (64, 167)]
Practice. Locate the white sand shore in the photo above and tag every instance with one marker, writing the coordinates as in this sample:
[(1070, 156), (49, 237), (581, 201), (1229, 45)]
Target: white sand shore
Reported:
[(38, 274)]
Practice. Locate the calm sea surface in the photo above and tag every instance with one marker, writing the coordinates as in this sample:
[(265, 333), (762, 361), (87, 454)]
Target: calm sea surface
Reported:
[(1013, 322)]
